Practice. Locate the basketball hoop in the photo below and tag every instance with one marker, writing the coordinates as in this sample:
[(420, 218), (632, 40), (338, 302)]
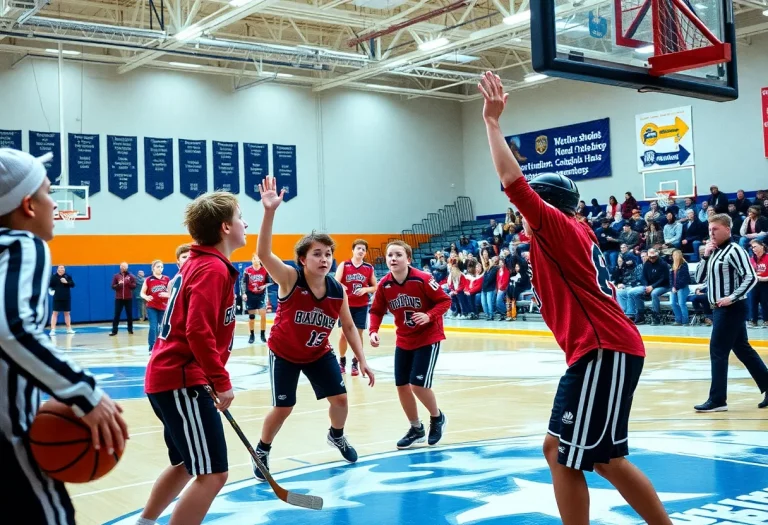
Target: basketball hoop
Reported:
[(68, 218), (663, 196)]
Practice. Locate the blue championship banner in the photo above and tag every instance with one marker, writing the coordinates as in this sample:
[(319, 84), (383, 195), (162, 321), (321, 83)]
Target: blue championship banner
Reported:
[(85, 162), (256, 167), (122, 166), (193, 167), (578, 151), (226, 166), (284, 161), (10, 139), (158, 167), (42, 142)]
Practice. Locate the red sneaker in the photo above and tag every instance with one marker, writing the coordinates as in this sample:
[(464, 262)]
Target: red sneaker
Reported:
[(355, 370)]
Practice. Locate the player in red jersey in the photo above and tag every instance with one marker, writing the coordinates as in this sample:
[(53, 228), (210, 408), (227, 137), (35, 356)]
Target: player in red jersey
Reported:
[(155, 292), (603, 349), (310, 304), (359, 279), (254, 286), (418, 303), (192, 349), (182, 254)]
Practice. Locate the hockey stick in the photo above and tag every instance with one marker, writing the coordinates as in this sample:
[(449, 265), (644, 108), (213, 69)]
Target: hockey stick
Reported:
[(292, 498)]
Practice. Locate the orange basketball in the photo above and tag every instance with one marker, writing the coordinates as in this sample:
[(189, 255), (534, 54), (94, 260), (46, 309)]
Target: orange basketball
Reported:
[(62, 446)]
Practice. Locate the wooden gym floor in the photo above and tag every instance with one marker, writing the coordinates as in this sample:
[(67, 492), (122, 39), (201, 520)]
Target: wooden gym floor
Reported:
[(495, 382)]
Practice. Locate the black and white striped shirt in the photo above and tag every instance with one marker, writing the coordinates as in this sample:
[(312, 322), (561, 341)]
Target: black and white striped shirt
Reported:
[(29, 363), (728, 273)]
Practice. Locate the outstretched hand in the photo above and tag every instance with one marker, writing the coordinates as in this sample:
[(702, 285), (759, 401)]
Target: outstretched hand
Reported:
[(269, 196), (493, 93)]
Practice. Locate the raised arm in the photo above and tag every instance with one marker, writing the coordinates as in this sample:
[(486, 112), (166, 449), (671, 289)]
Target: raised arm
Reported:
[(506, 165), (284, 275)]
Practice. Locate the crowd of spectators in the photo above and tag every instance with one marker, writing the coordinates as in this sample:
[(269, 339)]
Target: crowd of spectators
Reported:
[(646, 248)]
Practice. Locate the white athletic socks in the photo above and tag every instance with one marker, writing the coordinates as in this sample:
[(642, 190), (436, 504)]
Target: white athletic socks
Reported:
[(414, 424), (145, 521)]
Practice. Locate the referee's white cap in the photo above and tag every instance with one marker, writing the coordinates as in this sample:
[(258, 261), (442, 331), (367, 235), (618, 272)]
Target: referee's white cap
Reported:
[(21, 174)]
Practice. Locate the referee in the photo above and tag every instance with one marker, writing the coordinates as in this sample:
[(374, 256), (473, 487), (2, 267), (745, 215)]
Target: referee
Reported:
[(729, 277)]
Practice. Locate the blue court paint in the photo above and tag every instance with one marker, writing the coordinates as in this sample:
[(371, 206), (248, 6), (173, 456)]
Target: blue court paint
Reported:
[(702, 478)]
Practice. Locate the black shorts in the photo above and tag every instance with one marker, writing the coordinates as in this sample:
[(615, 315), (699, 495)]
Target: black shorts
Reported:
[(324, 375), (416, 367), (255, 301), (62, 305), (590, 414), (359, 316), (40, 499), (194, 433)]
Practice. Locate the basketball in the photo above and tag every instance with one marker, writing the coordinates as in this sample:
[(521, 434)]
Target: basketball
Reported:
[(62, 446)]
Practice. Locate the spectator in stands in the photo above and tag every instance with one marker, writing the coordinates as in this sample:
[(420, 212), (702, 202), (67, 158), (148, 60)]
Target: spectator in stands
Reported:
[(60, 286), (497, 244), (755, 226), (457, 285), (596, 213), (701, 305), (704, 212), (629, 205), (737, 221), (655, 282), (759, 294), (628, 236), (638, 222), (654, 238), (465, 243), (475, 289), (742, 203), (672, 207), (643, 256), (718, 200), (653, 214), (679, 280), (485, 259), (581, 209), (690, 205), (439, 266), (673, 232), (627, 254), (123, 283), (764, 211), (613, 210), (489, 288), (492, 230), (522, 242), (694, 232), (626, 277), (609, 242), (502, 281), (139, 305)]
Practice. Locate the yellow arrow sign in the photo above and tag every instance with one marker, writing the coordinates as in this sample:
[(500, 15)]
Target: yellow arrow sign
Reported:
[(651, 133)]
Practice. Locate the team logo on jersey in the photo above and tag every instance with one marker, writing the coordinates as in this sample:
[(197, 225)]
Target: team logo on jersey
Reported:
[(159, 288), (542, 143), (229, 315), (355, 277), (404, 301), (315, 318)]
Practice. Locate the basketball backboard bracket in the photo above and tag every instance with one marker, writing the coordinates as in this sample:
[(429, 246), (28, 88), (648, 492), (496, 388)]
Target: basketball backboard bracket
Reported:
[(567, 46)]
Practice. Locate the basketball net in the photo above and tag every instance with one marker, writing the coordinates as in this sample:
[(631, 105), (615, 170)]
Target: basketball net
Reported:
[(663, 196), (68, 218)]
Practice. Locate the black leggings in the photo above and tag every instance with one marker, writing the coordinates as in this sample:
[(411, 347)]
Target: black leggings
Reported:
[(759, 295)]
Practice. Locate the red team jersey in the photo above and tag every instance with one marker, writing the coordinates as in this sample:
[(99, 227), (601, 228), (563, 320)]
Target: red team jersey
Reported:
[(156, 285), (572, 286), (255, 278), (303, 322), (419, 293), (355, 277), (198, 328)]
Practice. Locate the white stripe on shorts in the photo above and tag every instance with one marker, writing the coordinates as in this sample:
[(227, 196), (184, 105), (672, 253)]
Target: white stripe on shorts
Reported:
[(432, 363)]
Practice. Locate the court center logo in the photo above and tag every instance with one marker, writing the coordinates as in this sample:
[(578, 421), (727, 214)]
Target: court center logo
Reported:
[(702, 478)]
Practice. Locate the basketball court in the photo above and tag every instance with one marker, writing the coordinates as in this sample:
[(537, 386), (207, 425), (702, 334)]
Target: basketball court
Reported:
[(495, 382)]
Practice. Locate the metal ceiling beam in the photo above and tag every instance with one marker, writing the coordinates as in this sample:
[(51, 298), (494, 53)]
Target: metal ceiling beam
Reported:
[(208, 24)]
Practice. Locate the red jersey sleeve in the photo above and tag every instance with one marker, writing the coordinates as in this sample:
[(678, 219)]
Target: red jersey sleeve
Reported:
[(546, 221), (442, 300), (463, 283), (378, 309), (204, 298)]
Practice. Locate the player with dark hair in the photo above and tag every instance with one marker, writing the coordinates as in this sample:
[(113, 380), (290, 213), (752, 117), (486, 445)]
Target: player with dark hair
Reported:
[(29, 363), (254, 286), (192, 349), (418, 304), (311, 303), (589, 423), (359, 279)]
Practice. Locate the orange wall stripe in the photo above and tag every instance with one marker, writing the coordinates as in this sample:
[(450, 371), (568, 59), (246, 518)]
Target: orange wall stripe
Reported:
[(89, 250)]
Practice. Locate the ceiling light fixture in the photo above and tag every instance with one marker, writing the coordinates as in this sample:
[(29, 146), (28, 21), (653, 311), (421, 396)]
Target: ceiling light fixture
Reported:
[(517, 18), (437, 43), (63, 51)]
